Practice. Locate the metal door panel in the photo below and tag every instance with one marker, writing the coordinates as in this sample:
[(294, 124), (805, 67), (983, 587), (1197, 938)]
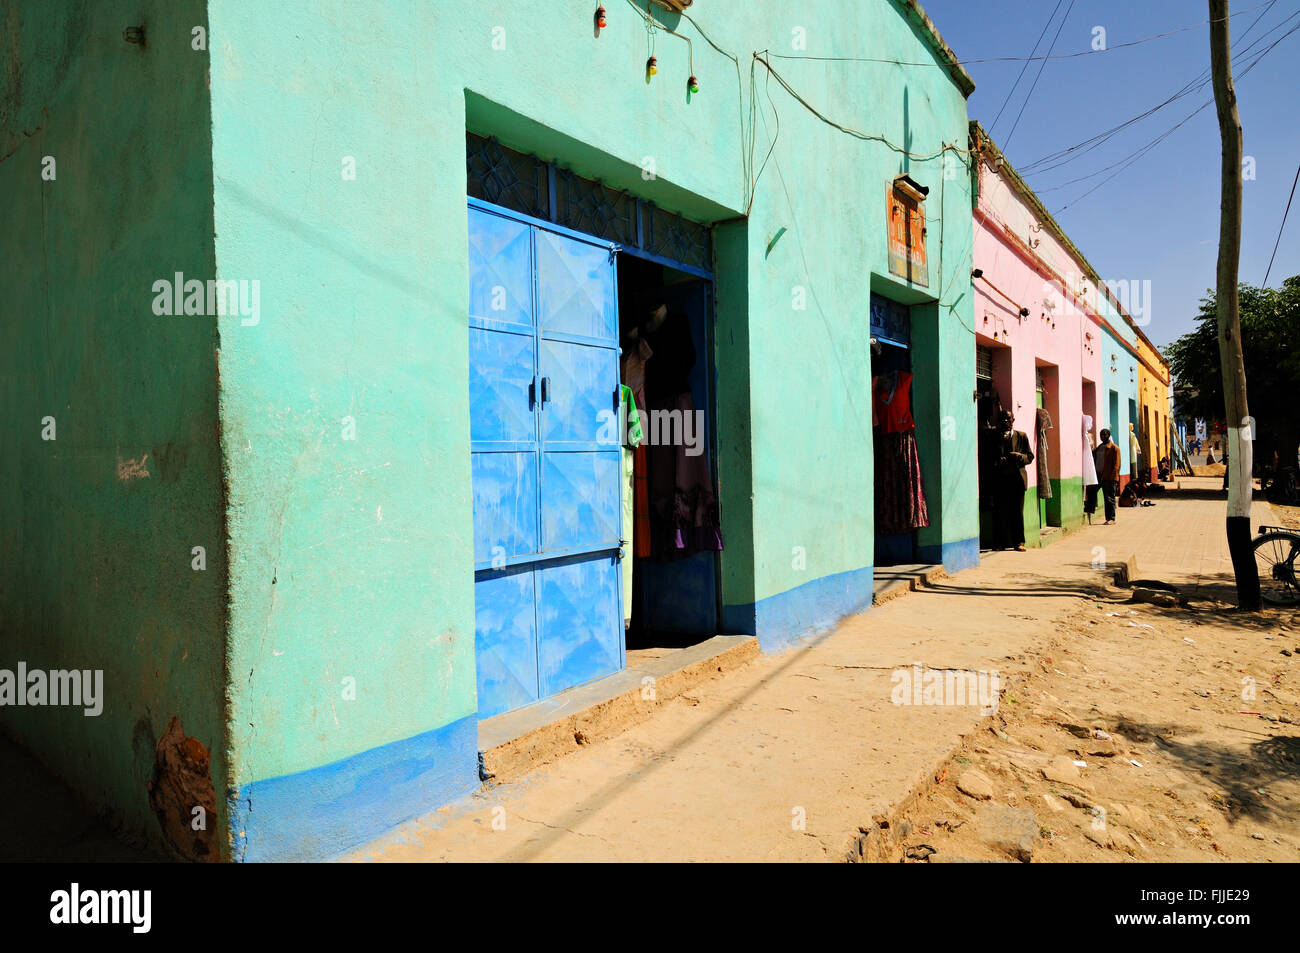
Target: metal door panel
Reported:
[(505, 641), (545, 461), (582, 501), (500, 270), (582, 390), (580, 624), (501, 373), (505, 506), (575, 287)]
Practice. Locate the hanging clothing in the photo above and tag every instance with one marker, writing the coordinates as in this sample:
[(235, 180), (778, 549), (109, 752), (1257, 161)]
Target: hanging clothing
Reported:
[(1089, 465), (674, 349), (641, 534), (900, 490), (683, 506), (632, 374), (631, 440), (891, 402), (1044, 423)]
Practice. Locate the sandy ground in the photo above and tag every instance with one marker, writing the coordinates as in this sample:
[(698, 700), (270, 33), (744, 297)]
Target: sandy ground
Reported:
[(1133, 733), (807, 756)]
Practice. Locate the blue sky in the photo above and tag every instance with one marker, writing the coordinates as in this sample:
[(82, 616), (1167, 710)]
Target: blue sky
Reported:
[(1158, 219)]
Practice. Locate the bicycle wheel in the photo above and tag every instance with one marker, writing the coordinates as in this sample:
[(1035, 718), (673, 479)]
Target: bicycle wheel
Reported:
[(1276, 556)]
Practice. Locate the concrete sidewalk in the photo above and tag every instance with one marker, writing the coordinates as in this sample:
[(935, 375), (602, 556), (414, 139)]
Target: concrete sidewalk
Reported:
[(789, 756)]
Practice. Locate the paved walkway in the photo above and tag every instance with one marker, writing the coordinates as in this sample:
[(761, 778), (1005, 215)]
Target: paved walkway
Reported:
[(785, 758)]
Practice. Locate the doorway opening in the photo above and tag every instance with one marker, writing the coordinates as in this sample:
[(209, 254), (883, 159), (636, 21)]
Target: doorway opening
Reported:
[(899, 498), (1130, 438), (1047, 446), (672, 525), (992, 380)]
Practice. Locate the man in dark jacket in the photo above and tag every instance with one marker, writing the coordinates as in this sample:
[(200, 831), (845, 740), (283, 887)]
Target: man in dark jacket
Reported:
[(1011, 481), (1106, 456)]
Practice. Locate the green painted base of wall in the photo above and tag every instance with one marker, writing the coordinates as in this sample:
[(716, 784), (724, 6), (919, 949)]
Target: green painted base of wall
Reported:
[(1065, 508)]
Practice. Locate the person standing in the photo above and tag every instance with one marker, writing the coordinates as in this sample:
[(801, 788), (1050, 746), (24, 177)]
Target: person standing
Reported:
[(1011, 481), (1106, 459)]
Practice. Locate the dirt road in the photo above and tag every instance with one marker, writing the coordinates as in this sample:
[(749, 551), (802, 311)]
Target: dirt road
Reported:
[(813, 755)]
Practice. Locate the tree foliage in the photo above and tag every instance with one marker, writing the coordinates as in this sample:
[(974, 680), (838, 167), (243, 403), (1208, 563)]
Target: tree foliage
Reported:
[(1270, 340)]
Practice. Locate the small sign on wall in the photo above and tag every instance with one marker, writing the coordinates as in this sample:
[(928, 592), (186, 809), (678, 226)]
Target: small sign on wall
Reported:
[(905, 202)]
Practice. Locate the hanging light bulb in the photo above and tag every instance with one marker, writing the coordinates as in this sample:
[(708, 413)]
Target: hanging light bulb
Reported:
[(693, 85), (651, 66), (600, 17)]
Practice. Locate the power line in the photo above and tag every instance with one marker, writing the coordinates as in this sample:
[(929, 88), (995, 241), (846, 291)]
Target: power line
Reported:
[(857, 134), (1282, 226), (993, 125), (1061, 157), (1152, 144), (1042, 66), (1020, 59)]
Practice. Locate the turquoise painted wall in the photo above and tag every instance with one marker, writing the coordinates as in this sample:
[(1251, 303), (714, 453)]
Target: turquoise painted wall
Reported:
[(98, 525), (1119, 374), (319, 448), (352, 558)]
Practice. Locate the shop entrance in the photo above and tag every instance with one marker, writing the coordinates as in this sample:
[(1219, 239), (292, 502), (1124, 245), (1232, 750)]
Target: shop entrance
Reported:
[(899, 497), (672, 528), (1047, 439)]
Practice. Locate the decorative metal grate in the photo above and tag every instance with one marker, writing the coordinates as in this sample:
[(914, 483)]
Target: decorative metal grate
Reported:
[(890, 321), (984, 363), (507, 178), (594, 208), (525, 183), (671, 236)]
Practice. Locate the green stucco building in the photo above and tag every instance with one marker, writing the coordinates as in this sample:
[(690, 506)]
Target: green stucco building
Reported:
[(260, 509)]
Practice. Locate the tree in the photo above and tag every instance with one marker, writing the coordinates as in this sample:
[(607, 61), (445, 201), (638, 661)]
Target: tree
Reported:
[(1239, 445), (1270, 339)]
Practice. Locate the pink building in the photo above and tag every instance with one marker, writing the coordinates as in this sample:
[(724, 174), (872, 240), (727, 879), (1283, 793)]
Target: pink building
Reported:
[(1050, 337)]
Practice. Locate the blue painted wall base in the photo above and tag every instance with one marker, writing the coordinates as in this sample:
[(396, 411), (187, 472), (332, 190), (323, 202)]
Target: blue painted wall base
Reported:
[(326, 811), (788, 617), (955, 556)]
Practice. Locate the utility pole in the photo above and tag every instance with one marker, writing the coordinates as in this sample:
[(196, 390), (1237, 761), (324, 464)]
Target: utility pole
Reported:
[(1241, 429)]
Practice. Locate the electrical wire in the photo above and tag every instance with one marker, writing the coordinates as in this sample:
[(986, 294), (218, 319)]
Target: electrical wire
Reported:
[(856, 133), (1282, 226), (1020, 59), (1149, 146), (1041, 66), (1061, 157), (1034, 49)]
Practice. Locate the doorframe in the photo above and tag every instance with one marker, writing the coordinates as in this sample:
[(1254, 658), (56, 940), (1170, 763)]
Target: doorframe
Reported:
[(711, 372)]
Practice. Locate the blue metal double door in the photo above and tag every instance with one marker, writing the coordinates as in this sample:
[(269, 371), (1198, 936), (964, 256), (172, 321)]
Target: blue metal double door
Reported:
[(545, 458)]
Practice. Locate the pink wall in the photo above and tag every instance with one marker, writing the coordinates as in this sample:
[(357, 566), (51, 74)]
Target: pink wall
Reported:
[(1031, 267)]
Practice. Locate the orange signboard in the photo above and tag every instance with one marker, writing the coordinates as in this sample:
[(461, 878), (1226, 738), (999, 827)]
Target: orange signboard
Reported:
[(907, 233)]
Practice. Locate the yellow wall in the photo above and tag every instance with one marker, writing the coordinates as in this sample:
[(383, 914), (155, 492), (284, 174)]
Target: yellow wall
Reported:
[(1153, 403)]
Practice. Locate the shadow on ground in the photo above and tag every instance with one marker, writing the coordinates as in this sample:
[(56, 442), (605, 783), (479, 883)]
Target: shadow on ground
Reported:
[(1242, 777)]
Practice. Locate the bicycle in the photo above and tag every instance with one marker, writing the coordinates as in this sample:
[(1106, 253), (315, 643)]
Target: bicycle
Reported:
[(1282, 486), (1276, 552)]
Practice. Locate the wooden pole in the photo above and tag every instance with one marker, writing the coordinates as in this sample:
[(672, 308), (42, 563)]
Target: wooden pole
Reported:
[(1240, 426)]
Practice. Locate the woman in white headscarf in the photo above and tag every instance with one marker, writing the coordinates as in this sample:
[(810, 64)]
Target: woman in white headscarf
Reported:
[(1090, 482)]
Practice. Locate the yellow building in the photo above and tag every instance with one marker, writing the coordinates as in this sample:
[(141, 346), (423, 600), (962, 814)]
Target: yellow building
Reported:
[(1153, 400)]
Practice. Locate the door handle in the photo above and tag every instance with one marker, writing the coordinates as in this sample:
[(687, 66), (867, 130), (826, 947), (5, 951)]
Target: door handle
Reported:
[(546, 389)]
